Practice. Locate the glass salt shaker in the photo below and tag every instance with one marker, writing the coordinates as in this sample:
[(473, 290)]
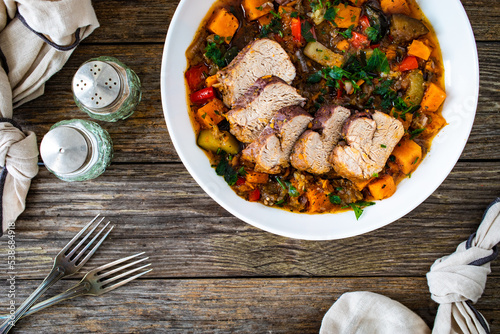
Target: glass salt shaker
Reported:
[(76, 150), (106, 89)]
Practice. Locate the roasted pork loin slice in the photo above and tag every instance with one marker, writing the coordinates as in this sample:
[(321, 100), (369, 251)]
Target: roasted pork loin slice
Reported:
[(271, 151), (370, 139), (260, 58), (314, 146), (254, 109)]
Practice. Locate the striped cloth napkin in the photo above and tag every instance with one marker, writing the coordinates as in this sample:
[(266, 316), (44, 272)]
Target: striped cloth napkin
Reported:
[(36, 39), (456, 282)]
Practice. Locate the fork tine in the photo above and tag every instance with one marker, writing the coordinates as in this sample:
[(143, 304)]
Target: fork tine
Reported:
[(81, 252), (116, 285), (114, 278), (87, 257), (75, 249), (79, 234), (106, 274), (114, 263)]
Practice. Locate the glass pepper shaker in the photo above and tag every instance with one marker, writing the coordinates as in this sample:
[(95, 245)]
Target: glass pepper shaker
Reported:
[(76, 150), (106, 89)]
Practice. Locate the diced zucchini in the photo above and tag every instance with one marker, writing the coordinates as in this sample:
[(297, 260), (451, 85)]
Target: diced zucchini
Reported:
[(213, 140), (322, 55), (415, 91)]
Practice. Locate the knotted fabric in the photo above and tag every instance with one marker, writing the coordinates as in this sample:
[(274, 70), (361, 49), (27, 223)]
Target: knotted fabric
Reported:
[(36, 39), (456, 282)]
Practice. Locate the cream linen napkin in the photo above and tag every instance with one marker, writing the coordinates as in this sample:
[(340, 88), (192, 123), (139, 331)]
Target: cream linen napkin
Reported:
[(455, 281), (36, 39)]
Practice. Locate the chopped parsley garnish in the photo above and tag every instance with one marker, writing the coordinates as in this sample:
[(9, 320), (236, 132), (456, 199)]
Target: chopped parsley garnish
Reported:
[(306, 32), (378, 62), (213, 53), (358, 207), (286, 185), (294, 14), (273, 27), (383, 146), (373, 34), (276, 15), (348, 33), (416, 132), (315, 78), (258, 8), (224, 169), (334, 199), (242, 171), (331, 13)]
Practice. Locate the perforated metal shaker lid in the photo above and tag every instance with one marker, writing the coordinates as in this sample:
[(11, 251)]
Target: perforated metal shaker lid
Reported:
[(97, 84), (64, 150)]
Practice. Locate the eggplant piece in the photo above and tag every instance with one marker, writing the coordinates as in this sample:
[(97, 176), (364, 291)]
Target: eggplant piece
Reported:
[(415, 92), (213, 140), (378, 21), (405, 29)]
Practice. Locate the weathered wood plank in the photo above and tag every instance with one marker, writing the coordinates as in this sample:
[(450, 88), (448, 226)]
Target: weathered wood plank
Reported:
[(164, 213), (146, 21), (144, 136), (228, 306)]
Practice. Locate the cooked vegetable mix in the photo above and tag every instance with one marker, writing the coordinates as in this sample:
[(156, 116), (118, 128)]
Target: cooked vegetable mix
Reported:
[(315, 106)]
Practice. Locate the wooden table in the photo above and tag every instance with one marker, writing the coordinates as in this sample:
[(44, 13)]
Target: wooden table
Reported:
[(213, 272)]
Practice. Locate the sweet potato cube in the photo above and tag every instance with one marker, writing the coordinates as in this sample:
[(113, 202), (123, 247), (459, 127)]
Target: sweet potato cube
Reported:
[(318, 200), (436, 124), (419, 49), (224, 24), (256, 177), (347, 16), (383, 187), (210, 114), (211, 80), (433, 98), (408, 155), (395, 7), (256, 8)]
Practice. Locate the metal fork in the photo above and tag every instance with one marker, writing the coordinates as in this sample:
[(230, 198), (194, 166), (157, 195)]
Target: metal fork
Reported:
[(66, 263), (96, 282)]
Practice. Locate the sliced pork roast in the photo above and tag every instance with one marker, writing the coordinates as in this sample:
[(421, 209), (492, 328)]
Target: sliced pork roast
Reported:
[(313, 148), (370, 139), (271, 151), (260, 58), (254, 109)]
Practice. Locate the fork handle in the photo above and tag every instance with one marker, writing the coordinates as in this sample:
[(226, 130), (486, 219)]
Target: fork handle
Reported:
[(55, 274), (78, 290)]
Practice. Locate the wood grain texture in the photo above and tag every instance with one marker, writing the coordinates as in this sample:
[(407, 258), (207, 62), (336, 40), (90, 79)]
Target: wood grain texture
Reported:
[(159, 209), (293, 305)]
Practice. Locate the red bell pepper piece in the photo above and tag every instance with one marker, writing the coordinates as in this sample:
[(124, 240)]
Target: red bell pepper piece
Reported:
[(359, 40), (340, 90), (374, 46), (203, 95), (409, 63), (254, 195), (195, 77), (296, 30), (364, 21), (240, 181)]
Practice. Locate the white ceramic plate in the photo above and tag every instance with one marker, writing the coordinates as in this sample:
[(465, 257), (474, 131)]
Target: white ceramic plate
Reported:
[(462, 86)]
